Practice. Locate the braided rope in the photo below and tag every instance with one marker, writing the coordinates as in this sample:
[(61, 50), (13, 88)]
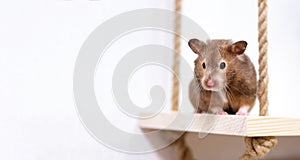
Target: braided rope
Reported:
[(260, 146), (176, 58), (183, 151), (263, 58)]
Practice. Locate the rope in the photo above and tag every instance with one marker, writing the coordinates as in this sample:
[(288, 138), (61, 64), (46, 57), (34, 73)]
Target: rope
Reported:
[(260, 146), (183, 151), (176, 58), (263, 58)]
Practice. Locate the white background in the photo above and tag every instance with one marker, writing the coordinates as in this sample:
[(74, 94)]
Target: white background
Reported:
[(39, 42)]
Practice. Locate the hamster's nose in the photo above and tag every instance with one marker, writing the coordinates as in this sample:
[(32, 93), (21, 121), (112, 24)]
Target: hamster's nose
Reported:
[(210, 83)]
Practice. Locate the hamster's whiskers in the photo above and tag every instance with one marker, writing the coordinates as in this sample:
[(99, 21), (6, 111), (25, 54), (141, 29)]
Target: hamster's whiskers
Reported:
[(238, 90), (228, 92)]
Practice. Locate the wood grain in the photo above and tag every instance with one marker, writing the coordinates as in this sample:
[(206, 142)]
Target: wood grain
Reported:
[(250, 126)]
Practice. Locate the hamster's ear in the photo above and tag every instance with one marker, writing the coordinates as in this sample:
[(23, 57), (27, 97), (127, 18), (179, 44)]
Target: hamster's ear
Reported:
[(197, 46), (238, 47)]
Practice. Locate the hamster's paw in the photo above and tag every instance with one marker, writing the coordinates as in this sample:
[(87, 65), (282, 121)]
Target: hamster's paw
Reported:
[(221, 113), (243, 111), (198, 110)]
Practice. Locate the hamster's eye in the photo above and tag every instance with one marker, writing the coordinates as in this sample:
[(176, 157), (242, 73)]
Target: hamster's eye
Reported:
[(203, 65), (222, 65)]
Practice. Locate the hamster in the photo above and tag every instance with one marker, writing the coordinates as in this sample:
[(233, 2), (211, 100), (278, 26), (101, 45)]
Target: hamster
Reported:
[(224, 78)]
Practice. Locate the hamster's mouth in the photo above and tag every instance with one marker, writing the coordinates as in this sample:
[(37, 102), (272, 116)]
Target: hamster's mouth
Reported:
[(211, 84), (212, 88)]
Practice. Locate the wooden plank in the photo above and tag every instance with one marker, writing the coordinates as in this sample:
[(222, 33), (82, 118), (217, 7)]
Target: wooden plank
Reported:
[(272, 126), (232, 147), (225, 125)]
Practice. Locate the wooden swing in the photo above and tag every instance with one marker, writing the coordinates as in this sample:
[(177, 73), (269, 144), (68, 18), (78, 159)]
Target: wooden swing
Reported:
[(259, 131)]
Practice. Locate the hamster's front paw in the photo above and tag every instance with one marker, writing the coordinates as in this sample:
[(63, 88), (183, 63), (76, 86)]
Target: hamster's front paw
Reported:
[(198, 110), (221, 113), (243, 111)]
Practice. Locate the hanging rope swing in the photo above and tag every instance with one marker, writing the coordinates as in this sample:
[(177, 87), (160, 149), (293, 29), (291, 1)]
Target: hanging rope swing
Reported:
[(183, 151), (255, 146), (260, 146)]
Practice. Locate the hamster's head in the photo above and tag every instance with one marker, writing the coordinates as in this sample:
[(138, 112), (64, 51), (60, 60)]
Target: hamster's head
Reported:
[(215, 64)]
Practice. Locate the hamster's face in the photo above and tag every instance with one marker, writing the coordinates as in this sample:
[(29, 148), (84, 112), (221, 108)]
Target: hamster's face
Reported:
[(210, 70), (213, 65)]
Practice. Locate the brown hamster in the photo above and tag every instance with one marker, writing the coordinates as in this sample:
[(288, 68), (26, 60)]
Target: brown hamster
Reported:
[(224, 78)]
